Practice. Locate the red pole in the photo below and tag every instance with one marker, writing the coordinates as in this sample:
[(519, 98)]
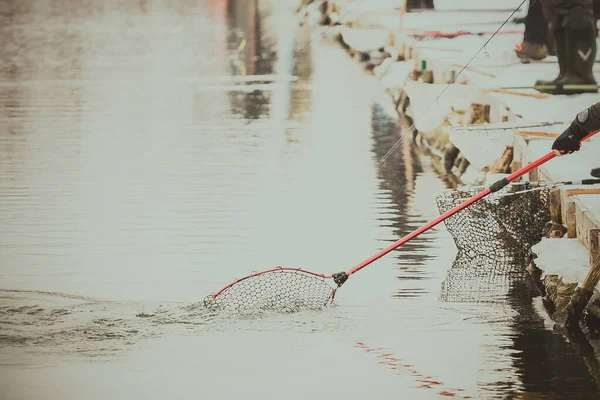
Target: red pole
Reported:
[(493, 188)]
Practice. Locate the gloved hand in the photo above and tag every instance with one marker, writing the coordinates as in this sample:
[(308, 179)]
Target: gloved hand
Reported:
[(566, 143)]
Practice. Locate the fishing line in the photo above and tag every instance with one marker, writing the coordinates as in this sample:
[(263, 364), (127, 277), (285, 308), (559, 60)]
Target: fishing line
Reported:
[(412, 127), (436, 100)]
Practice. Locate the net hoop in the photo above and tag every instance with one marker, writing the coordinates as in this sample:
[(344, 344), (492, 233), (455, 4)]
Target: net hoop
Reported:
[(276, 269), (290, 289), (507, 221)]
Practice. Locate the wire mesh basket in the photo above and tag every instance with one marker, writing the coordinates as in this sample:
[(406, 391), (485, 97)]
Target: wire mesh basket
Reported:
[(494, 237), (504, 223)]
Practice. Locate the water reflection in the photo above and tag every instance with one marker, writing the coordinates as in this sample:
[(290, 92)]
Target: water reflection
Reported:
[(398, 174), (251, 53), (484, 279), (547, 366), (256, 50), (543, 363)]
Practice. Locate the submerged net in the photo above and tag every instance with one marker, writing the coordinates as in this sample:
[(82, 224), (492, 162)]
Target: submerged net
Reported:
[(494, 237), (277, 290), (481, 279)]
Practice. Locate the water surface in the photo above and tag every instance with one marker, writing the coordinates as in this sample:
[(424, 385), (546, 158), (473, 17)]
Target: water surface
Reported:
[(151, 152)]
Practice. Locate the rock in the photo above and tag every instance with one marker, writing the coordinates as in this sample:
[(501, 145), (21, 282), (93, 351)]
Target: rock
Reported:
[(502, 165), (325, 20), (383, 69), (366, 40), (397, 74), (396, 93), (335, 18), (578, 302), (362, 56), (393, 53), (536, 275), (462, 167), (592, 315), (554, 230), (479, 113), (451, 153), (551, 282)]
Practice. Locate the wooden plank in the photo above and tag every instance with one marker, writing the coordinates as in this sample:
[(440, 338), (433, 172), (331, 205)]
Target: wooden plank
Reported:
[(515, 166), (474, 70), (573, 192), (549, 135), (402, 14), (515, 93), (544, 176), (440, 49), (580, 224), (594, 247), (568, 214), (555, 206), (519, 152), (403, 8), (534, 175), (585, 222)]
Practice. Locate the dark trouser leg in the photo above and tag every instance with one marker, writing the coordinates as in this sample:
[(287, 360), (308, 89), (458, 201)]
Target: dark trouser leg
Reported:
[(559, 39), (560, 47), (536, 25), (535, 40)]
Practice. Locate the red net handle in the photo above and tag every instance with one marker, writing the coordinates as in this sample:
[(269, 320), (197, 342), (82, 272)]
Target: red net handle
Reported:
[(267, 271), (493, 188)]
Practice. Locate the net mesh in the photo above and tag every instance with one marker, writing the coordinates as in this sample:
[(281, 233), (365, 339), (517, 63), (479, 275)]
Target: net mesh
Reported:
[(494, 237), (278, 290), (503, 224), (478, 280)]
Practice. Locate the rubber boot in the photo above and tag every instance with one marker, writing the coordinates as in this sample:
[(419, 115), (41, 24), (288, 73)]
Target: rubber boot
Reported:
[(582, 48), (560, 46), (576, 54)]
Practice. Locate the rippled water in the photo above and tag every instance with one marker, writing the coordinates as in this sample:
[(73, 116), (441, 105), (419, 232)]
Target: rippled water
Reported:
[(149, 156)]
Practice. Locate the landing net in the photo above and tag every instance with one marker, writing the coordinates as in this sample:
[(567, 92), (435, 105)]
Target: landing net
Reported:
[(494, 237), (279, 290), (503, 224)]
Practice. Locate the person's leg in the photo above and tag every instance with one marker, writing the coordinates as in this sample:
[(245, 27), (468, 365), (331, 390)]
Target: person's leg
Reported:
[(559, 40), (580, 25), (536, 26), (573, 27), (535, 38)]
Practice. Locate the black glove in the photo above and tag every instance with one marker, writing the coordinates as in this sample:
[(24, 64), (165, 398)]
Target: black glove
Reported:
[(567, 142)]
